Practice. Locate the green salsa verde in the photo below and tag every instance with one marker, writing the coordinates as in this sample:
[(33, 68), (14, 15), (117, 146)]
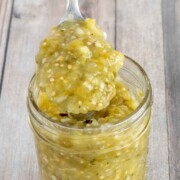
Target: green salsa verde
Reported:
[(79, 91)]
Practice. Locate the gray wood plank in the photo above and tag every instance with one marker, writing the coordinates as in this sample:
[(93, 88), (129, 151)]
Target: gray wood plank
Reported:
[(5, 22), (171, 26), (140, 36), (103, 12), (31, 22)]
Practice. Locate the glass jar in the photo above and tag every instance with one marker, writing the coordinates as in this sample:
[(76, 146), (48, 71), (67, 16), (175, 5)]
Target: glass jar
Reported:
[(115, 152)]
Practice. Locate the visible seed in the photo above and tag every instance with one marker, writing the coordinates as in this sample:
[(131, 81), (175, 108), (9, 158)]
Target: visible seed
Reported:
[(53, 93), (116, 137), (107, 170), (60, 58), (44, 60), (89, 43), (117, 178), (79, 31), (49, 70), (44, 44), (85, 51), (56, 54), (51, 79), (94, 102), (102, 85), (57, 64), (101, 177), (88, 85), (61, 78), (100, 104), (79, 102), (62, 65), (82, 162), (69, 66), (84, 108), (98, 44), (73, 37)]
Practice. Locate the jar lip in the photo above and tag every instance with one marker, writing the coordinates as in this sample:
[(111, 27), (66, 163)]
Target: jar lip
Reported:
[(131, 118)]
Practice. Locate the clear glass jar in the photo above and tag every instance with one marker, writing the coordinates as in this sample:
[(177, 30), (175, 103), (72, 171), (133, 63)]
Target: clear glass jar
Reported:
[(117, 152)]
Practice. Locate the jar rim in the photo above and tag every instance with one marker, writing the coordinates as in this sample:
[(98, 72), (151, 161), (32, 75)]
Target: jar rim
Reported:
[(131, 118)]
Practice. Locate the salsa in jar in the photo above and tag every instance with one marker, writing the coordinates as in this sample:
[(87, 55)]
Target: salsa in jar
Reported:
[(89, 107)]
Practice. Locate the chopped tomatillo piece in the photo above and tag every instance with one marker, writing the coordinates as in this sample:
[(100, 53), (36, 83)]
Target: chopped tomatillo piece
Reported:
[(120, 106), (77, 67), (88, 117)]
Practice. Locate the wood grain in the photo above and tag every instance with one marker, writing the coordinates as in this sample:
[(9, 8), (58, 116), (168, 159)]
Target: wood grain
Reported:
[(5, 24), (140, 36), (171, 25), (30, 23)]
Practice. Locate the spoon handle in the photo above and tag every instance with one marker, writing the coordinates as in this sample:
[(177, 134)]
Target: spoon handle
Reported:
[(72, 11)]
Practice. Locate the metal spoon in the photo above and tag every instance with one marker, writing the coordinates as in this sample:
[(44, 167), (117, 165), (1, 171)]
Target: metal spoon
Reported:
[(72, 11)]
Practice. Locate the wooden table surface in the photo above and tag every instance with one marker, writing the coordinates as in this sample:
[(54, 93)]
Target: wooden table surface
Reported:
[(146, 30)]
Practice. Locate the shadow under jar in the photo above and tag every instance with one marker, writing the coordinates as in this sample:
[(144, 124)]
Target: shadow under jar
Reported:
[(117, 152)]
